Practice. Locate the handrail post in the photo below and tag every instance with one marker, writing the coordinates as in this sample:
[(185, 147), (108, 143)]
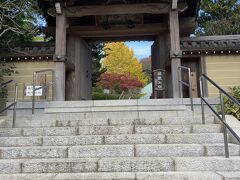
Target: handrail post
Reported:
[(189, 84), (202, 103), (33, 97), (15, 105), (224, 127), (180, 84), (53, 84), (190, 88)]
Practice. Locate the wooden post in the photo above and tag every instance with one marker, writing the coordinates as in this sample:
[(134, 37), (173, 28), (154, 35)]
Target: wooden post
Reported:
[(175, 52), (60, 56)]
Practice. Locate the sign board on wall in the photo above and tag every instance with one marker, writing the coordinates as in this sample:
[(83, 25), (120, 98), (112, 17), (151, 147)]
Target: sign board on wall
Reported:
[(29, 91), (159, 80)]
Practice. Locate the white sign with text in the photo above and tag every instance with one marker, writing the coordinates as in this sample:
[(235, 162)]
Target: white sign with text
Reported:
[(29, 91)]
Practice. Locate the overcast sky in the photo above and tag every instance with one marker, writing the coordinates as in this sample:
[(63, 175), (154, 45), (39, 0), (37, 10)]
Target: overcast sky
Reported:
[(142, 49)]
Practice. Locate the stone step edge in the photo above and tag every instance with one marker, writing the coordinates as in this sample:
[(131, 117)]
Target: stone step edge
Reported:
[(120, 175), (237, 158), (120, 108), (174, 161), (78, 127), (121, 145), (116, 125), (104, 135)]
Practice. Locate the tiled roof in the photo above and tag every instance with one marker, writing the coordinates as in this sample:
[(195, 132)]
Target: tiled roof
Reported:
[(26, 50), (189, 45), (211, 43)]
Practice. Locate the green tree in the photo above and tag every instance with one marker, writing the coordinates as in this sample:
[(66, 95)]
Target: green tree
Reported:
[(121, 60), (97, 55), (230, 107), (219, 17), (18, 21), (147, 68)]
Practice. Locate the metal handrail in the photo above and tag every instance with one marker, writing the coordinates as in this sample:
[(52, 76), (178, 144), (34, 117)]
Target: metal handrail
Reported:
[(34, 85), (189, 84), (14, 104), (221, 118)]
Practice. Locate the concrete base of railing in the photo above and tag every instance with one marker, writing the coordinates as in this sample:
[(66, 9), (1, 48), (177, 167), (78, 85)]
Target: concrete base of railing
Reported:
[(235, 125)]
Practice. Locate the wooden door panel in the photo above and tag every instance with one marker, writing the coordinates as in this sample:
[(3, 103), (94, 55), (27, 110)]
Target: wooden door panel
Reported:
[(193, 64)]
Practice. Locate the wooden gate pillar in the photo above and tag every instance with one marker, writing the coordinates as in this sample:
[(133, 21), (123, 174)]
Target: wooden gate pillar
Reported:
[(175, 52), (60, 57), (159, 60)]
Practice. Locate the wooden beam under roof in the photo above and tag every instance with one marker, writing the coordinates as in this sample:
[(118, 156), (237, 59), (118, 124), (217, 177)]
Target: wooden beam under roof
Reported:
[(118, 30), (187, 25), (120, 39), (115, 30), (118, 9)]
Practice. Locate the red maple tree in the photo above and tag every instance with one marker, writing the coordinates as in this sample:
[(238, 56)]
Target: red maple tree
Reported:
[(120, 82)]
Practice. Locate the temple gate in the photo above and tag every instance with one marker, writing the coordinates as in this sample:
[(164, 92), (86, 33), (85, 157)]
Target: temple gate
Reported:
[(76, 22)]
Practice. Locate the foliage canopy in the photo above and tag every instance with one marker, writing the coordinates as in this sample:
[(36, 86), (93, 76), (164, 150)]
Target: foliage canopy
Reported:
[(121, 60), (18, 20), (97, 56), (230, 107), (219, 17), (120, 82), (18, 23)]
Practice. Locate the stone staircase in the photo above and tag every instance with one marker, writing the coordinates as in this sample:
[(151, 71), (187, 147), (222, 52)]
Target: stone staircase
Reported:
[(116, 140)]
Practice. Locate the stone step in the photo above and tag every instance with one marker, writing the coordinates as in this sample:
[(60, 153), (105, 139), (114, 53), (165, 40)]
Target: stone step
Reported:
[(167, 138), (111, 139), (20, 141), (219, 149), (100, 140), (121, 176), (59, 165), (128, 150), (11, 166), (133, 121), (207, 163), (206, 175), (76, 140), (129, 164), (184, 150), (175, 129), (207, 128), (230, 175), (158, 129), (195, 138), (124, 115), (110, 130), (33, 152), (74, 119), (162, 150), (168, 164), (46, 131), (95, 151), (118, 108), (64, 152), (181, 120), (102, 130)]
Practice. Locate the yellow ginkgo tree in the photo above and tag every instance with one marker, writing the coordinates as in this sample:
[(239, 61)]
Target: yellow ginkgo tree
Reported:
[(120, 59)]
